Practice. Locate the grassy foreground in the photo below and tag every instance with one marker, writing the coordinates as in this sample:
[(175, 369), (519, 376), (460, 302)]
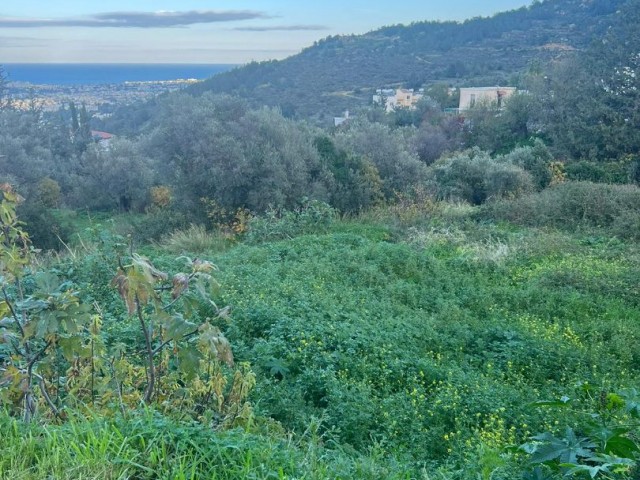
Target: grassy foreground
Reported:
[(384, 347)]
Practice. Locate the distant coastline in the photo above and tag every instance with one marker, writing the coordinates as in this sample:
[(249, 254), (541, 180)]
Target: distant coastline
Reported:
[(96, 74)]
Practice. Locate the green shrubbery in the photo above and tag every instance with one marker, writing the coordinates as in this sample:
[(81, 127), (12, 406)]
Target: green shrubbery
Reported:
[(311, 216), (437, 347), (574, 205), (412, 355), (603, 172), (475, 177)]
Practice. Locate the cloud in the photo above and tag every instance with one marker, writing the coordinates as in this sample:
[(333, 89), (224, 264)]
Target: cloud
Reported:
[(13, 42), (290, 28), (135, 19)]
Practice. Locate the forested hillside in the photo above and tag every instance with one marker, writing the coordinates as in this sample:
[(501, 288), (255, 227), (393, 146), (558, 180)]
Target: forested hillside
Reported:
[(343, 71)]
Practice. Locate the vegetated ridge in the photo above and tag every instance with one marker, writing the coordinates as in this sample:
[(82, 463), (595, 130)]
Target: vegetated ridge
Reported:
[(340, 71)]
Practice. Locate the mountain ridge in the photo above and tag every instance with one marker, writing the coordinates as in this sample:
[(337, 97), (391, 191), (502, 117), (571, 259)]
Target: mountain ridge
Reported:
[(340, 72)]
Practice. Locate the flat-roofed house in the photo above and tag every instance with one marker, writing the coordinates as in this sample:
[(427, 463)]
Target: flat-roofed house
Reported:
[(469, 97)]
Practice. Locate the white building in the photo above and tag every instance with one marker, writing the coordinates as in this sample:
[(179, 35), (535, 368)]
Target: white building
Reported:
[(398, 98), (472, 96)]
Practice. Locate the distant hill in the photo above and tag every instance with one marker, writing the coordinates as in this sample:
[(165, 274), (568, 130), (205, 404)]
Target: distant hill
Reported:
[(341, 71)]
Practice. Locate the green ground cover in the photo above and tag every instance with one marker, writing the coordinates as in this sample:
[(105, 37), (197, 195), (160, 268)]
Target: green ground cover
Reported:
[(383, 347)]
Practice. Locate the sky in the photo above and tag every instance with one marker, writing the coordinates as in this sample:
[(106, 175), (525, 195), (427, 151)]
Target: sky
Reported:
[(202, 31)]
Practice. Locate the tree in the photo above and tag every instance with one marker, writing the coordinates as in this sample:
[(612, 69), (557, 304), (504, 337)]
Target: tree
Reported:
[(47, 333), (387, 150), (214, 148), (5, 98), (590, 102), (358, 185), (115, 179), (34, 325)]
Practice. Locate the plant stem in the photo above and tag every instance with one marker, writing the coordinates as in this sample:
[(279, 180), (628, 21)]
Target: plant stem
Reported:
[(151, 371)]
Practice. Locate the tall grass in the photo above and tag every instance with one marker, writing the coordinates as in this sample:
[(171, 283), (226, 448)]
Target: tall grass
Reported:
[(148, 446), (195, 239)]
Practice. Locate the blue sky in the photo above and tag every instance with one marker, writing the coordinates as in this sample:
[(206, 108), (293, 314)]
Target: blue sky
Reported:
[(202, 31)]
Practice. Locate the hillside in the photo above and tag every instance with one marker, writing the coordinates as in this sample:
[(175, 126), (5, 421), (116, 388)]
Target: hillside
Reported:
[(341, 71)]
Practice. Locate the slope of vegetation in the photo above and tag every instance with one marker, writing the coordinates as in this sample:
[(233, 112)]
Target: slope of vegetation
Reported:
[(411, 342), (342, 71)]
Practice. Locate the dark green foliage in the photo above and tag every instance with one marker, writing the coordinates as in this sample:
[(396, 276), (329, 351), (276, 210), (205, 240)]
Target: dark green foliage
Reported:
[(600, 172), (603, 442), (474, 177), (431, 142), (535, 159), (216, 148), (114, 179), (590, 102), (387, 150), (311, 216), (48, 229), (572, 205), (499, 129), (357, 183)]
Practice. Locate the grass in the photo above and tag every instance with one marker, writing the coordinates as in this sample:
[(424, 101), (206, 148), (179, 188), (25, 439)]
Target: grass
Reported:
[(195, 239), (437, 341), (387, 347), (148, 446)]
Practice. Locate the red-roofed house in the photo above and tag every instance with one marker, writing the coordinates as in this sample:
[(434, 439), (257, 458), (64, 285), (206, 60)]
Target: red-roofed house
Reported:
[(102, 138)]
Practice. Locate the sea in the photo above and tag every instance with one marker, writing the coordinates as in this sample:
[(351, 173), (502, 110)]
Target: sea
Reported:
[(95, 74)]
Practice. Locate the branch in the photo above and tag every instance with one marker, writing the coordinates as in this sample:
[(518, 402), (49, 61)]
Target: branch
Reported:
[(118, 387), (163, 289), (164, 344), (170, 304), (45, 394), (13, 312), (151, 372), (21, 295), (37, 356)]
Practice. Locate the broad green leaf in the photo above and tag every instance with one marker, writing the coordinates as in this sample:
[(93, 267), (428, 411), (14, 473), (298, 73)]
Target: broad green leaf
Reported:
[(176, 326), (189, 360), (566, 450), (591, 470), (72, 347), (621, 447)]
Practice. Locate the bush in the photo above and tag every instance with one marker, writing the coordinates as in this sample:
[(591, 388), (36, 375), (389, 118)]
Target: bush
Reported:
[(575, 204), (312, 216), (535, 159), (474, 177), (48, 229), (610, 172), (194, 239), (159, 222)]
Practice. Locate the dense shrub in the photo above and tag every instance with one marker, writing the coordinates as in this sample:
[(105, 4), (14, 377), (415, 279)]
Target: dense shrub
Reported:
[(474, 177), (48, 229), (535, 159), (599, 172), (386, 149), (574, 204), (311, 216)]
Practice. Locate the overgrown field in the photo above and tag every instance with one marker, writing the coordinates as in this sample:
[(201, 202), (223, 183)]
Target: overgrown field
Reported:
[(383, 347)]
